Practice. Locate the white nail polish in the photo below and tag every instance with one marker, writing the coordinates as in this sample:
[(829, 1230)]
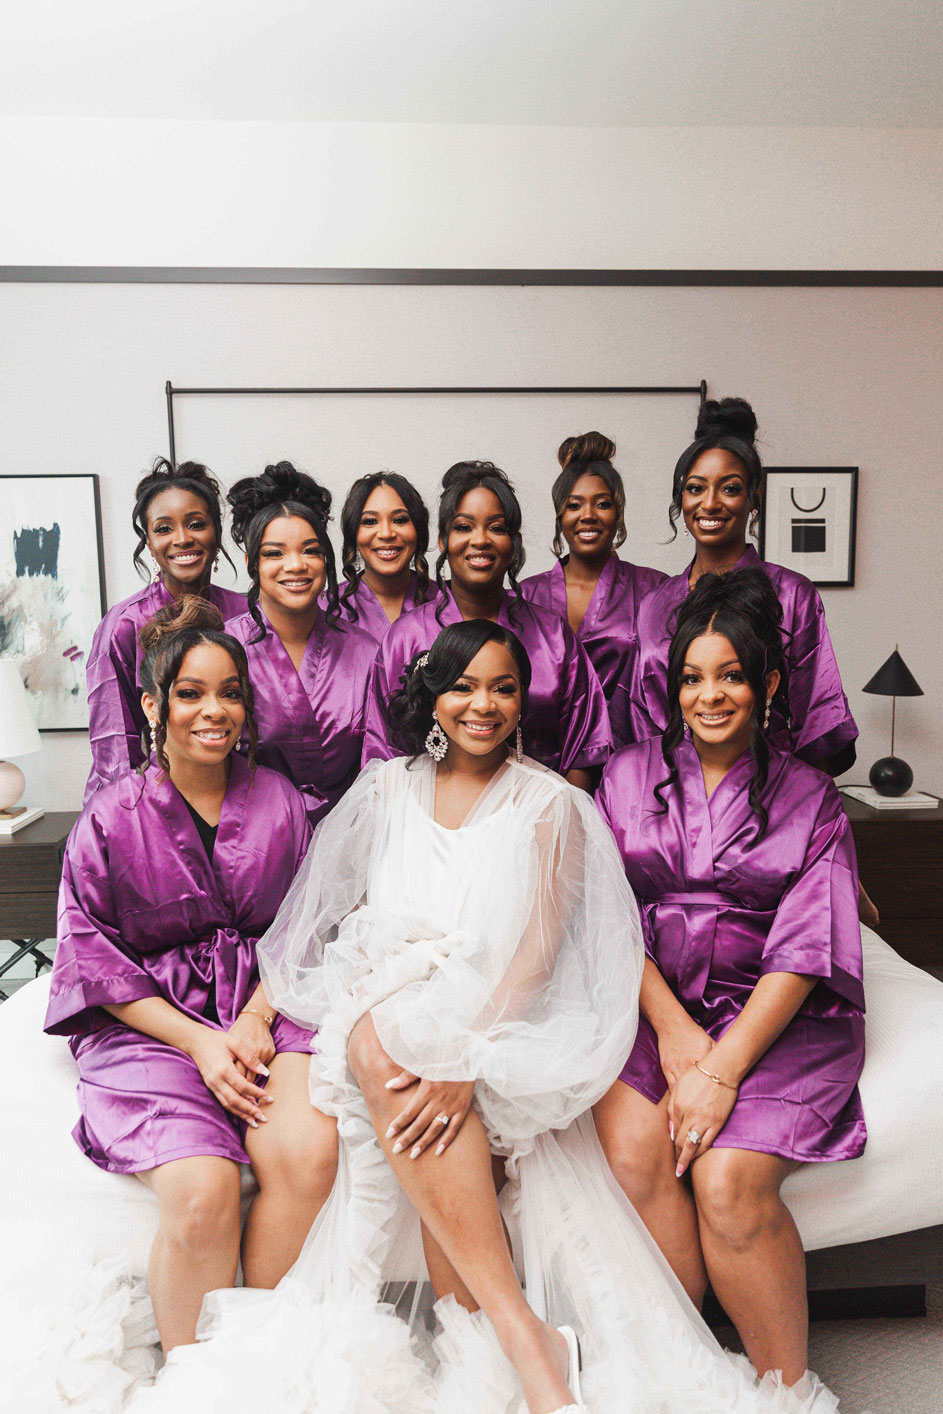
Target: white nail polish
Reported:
[(440, 1149), (262, 1069), (390, 1083), (397, 1148), (414, 1153), (253, 1123), (391, 1131)]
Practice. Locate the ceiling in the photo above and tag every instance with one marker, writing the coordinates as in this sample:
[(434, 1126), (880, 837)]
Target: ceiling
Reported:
[(595, 63)]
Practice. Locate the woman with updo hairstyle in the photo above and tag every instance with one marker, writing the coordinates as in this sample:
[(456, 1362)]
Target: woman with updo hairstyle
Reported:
[(385, 525), (463, 937), (309, 669), (751, 1038), (718, 486), (171, 875), (590, 586), (565, 723), (178, 520)]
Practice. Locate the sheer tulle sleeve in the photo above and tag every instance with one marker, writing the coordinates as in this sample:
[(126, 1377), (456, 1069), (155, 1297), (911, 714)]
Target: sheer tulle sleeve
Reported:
[(536, 997)]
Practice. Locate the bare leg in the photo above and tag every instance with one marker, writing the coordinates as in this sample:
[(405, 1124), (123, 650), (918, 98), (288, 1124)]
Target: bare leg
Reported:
[(196, 1249), (754, 1255), (634, 1136), (445, 1279), (455, 1198), (294, 1158)]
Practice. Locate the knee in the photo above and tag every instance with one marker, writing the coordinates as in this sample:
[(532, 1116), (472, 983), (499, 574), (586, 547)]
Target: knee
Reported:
[(640, 1168), (730, 1203), (201, 1215), (304, 1169), (370, 1064)]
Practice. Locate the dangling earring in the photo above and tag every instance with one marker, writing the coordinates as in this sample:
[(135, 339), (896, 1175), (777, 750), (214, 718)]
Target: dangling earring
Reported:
[(687, 529), (216, 562), (155, 572), (766, 718), (437, 743), (518, 744), (754, 520), (153, 731)]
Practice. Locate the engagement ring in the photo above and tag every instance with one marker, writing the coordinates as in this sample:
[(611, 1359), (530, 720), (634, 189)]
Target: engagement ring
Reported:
[(693, 1137)]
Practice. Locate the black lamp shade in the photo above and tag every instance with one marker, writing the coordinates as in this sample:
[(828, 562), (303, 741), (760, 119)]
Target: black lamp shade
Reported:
[(894, 679)]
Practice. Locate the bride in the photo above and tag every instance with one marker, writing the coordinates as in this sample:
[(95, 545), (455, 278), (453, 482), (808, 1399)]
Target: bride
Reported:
[(463, 936)]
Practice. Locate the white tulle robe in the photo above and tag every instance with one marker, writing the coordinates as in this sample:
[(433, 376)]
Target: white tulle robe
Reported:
[(507, 952)]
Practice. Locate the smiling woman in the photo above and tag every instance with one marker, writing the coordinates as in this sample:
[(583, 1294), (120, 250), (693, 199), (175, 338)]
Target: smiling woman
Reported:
[(177, 518), (385, 525)]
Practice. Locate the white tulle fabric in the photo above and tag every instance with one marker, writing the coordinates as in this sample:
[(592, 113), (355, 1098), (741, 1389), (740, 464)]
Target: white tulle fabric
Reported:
[(507, 952)]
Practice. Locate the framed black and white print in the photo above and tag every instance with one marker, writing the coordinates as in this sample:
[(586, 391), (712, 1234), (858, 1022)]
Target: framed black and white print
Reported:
[(807, 522), (52, 590)]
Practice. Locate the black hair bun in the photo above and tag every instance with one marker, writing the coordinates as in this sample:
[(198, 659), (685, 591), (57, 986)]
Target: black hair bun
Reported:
[(164, 471), (731, 417), (746, 592), (465, 471), (588, 447), (280, 483)]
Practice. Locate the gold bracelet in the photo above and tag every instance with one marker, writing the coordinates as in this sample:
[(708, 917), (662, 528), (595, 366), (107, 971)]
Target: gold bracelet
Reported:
[(716, 1078), (255, 1012)]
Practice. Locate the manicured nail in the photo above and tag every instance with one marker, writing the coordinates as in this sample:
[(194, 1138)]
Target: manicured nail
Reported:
[(254, 1123), (263, 1119), (440, 1149), (414, 1153), (391, 1131), (671, 1132), (397, 1147), (262, 1069), (679, 1171), (390, 1083)]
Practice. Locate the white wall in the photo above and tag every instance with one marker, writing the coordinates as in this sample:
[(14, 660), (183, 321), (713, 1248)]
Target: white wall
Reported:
[(158, 192), (838, 377)]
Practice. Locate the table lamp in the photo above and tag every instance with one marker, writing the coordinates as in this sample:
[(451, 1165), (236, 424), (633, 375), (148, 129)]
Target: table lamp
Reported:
[(18, 737), (891, 775)]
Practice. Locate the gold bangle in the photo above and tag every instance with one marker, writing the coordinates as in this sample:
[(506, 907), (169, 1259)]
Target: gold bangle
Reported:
[(716, 1078), (255, 1012)]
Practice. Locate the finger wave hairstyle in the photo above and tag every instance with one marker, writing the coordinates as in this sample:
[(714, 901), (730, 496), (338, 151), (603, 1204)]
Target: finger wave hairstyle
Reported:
[(410, 707), (163, 476), (590, 454), (743, 607), (730, 424), (256, 501), (165, 641), (456, 484), (357, 498)]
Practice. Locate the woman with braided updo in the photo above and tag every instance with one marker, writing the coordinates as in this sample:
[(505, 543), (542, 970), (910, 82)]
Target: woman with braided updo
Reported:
[(566, 723), (751, 1038), (178, 520), (309, 668), (590, 586), (170, 877)]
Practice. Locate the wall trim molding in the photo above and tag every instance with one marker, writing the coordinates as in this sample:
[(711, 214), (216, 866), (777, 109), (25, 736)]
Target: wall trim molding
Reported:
[(292, 275)]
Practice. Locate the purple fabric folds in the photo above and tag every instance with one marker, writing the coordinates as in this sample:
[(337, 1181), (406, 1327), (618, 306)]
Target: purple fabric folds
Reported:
[(720, 911), (310, 721), (566, 724), (116, 718), (143, 912), (371, 616), (608, 631), (821, 724)]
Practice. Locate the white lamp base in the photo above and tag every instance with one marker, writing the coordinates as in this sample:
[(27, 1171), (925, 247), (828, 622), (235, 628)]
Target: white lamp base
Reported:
[(12, 784)]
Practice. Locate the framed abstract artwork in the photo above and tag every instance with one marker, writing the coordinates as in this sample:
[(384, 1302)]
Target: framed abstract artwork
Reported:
[(52, 589), (807, 522)]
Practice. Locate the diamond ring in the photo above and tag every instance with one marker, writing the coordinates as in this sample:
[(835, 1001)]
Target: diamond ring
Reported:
[(693, 1137)]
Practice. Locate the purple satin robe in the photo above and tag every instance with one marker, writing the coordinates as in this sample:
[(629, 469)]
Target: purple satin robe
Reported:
[(115, 715), (821, 726), (566, 724), (718, 913), (143, 912), (608, 631), (310, 722), (371, 616)]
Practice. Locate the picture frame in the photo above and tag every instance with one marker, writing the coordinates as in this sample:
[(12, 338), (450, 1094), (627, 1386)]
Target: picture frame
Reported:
[(52, 589), (808, 522)]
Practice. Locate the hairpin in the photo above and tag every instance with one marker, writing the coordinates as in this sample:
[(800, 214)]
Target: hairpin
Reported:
[(421, 662)]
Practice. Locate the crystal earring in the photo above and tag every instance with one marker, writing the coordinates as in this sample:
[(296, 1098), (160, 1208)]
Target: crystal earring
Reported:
[(155, 572), (687, 530), (153, 730), (216, 562), (766, 718), (519, 744), (437, 743)]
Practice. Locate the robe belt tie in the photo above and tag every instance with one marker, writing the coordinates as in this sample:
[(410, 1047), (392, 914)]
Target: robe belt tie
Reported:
[(709, 897)]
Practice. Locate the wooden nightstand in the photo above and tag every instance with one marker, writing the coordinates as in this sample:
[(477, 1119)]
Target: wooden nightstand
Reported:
[(900, 860), (30, 869)]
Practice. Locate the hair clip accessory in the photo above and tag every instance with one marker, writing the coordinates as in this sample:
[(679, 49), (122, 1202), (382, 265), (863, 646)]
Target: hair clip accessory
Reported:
[(421, 662)]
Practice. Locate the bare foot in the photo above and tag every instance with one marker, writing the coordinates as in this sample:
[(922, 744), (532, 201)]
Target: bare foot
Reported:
[(541, 1360)]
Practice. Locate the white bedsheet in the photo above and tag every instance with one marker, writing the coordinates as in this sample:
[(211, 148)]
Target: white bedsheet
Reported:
[(895, 1187)]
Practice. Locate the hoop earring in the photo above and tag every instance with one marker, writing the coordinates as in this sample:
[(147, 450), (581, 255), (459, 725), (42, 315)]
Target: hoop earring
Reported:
[(766, 717), (437, 743), (518, 744)]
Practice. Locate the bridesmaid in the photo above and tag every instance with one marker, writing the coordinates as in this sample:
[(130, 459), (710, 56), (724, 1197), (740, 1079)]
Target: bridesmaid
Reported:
[(751, 1039), (177, 518), (171, 875), (596, 592), (385, 525), (718, 483), (565, 724), (309, 670)]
